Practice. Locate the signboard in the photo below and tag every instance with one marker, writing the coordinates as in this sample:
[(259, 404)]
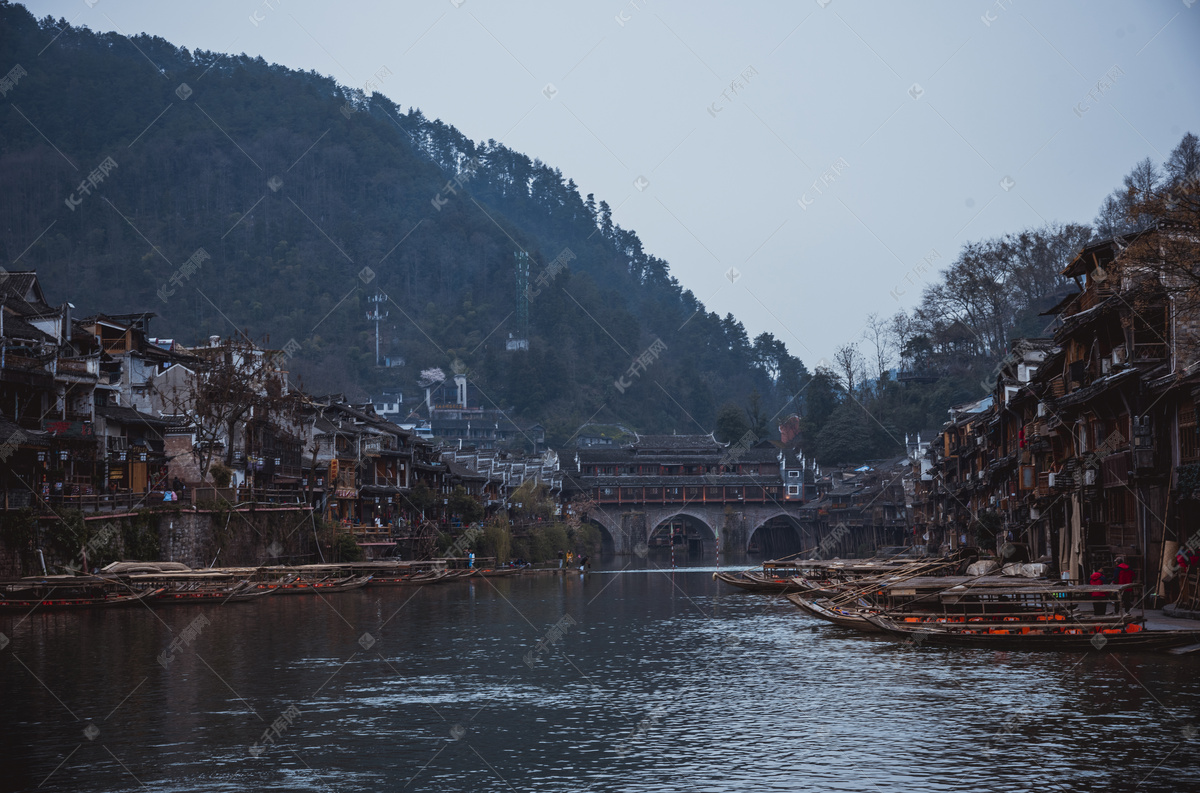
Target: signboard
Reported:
[(345, 492), (67, 429)]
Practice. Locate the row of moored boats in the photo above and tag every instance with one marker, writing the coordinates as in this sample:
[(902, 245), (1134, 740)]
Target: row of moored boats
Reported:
[(164, 583), (947, 601)]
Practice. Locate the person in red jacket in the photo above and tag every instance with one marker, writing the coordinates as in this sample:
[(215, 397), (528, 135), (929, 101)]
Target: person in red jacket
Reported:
[(1125, 576), (1100, 606)]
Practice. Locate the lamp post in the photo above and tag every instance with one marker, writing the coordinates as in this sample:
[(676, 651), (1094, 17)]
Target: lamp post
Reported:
[(374, 315)]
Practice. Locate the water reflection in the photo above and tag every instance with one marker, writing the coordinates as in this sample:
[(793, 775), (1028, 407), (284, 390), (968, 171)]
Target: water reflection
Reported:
[(662, 680)]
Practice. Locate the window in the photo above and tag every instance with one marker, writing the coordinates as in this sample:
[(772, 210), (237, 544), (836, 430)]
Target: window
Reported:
[(793, 490), (793, 474), (1189, 441)]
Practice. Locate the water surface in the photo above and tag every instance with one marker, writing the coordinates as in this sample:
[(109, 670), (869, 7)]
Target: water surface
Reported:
[(653, 680)]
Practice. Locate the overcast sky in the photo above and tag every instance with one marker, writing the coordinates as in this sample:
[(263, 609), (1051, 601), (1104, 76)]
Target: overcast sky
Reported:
[(795, 162)]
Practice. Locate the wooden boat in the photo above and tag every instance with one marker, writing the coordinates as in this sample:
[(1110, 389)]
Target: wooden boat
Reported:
[(1022, 636), (838, 615), (498, 572), (210, 593), (69, 592), (412, 579), (755, 582), (815, 588), (301, 586)]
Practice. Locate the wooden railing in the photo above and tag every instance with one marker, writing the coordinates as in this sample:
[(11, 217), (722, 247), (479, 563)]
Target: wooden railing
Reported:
[(100, 502), (127, 501)]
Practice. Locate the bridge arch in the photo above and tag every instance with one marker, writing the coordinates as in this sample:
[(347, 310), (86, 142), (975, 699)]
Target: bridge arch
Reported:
[(690, 529), (776, 536), (608, 541)]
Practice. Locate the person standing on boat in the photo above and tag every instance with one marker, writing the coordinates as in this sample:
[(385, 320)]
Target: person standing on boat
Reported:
[(1100, 606), (470, 558), (1124, 576)]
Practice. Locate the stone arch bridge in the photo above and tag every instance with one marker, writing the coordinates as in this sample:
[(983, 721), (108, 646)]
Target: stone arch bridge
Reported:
[(628, 527)]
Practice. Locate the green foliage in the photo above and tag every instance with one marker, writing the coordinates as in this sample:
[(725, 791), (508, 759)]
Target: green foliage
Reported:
[(546, 541), (18, 528), (756, 419), (542, 542), (345, 549), (586, 538), (535, 503), (140, 536), (221, 474), (845, 438), (496, 541), (422, 497), (64, 537), (731, 423), (465, 505)]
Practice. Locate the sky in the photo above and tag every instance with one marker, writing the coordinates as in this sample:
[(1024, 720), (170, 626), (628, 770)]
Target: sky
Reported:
[(801, 164)]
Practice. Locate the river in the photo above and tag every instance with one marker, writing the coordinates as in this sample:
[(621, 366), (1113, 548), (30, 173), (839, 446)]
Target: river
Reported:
[(626, 680)]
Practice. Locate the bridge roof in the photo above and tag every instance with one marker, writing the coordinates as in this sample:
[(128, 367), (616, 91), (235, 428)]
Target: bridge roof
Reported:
[(725, 480), (676, 444)]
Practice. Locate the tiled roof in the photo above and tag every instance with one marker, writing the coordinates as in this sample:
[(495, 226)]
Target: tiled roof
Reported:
[(127, 415), (676, 443)]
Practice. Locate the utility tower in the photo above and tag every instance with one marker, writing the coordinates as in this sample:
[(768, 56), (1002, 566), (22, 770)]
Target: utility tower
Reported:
[(519, 339), (376, 316)]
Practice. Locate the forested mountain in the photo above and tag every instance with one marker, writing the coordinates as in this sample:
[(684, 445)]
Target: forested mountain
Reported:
[(227, 194), (293, 185)]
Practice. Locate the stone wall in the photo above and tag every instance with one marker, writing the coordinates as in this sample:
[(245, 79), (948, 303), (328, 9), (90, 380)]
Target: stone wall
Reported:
[(181, 462), (237, 538), (196, 538)]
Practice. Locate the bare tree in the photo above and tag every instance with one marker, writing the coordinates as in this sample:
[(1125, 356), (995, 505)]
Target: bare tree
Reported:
[(879, 336), (234, 382), (849, 362), (1164, 261), (1184, 160), (1110, 219)]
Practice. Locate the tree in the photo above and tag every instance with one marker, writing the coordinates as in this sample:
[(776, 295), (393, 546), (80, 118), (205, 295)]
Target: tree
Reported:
[(845, 438), (234, 380), (770, 355), (731, 423), (465, 505), (422, 498), (849, 362), (880, 336), (496, 541), (1184, 160), (1163, 262), (1110, 219), (756, 420), (1118, 213)]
